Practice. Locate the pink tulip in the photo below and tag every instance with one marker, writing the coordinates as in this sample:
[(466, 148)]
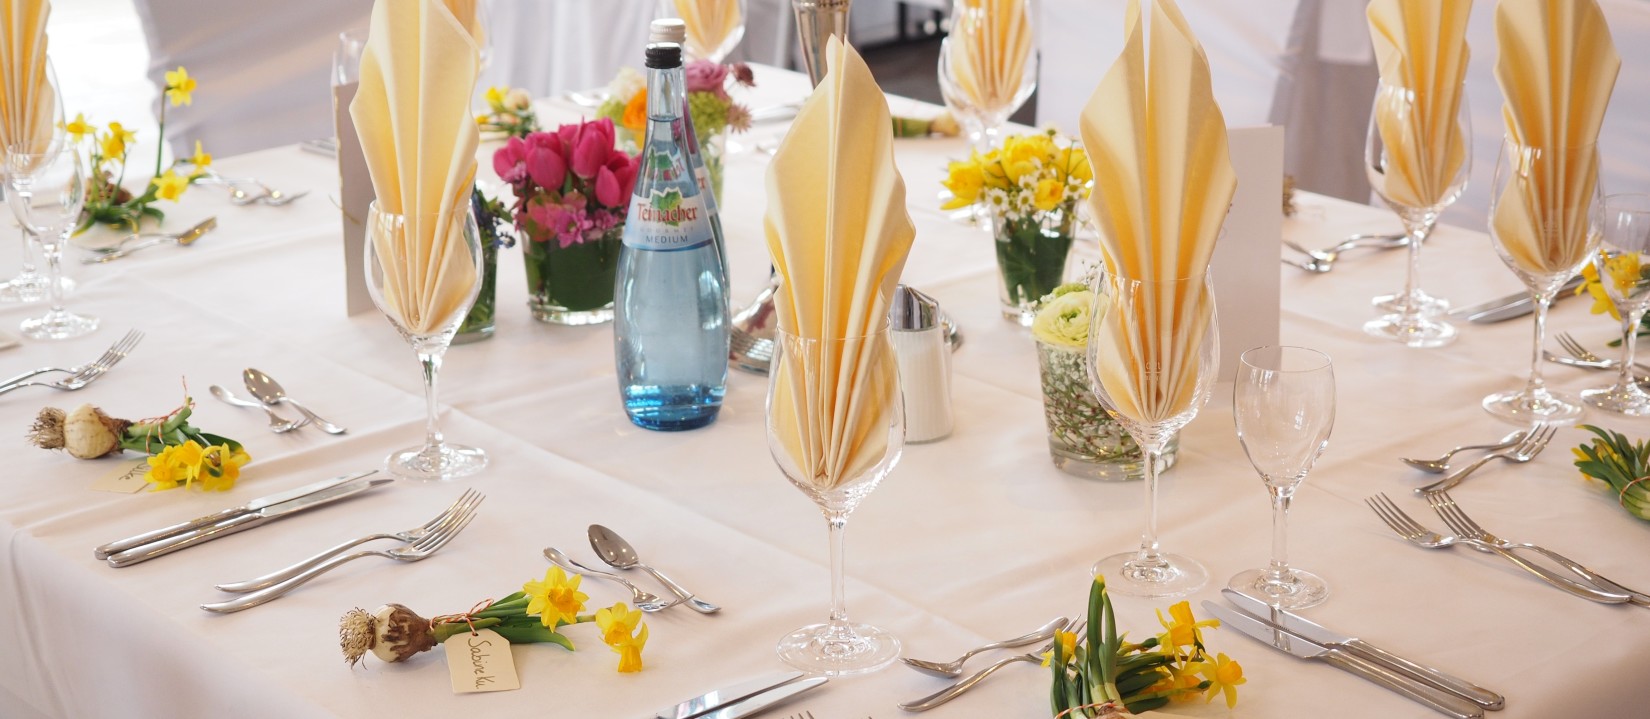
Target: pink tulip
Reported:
[(590, 153), (507, 161), (608, 188)]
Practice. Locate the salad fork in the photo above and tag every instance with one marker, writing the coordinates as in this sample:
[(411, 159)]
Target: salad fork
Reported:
[(109, 358), (1463, 525), (1420, 536), (1324, 260), (1524, 451), (1581, 353), (85, 374), (953, 669), (952, 692)]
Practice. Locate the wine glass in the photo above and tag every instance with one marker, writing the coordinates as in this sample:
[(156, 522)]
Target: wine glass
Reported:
[(1418, 170), (1622, 260), (1283, 406), (1153, 384), (426, 301), (29, 285), (988, 65), (836, 426), (1545, 216), (48, 189), (714, 27)]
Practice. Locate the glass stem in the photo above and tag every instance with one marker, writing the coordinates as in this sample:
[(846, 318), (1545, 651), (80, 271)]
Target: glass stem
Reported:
[(1412, 281), (839, 604), (53, 253), (1630, 343), (1148, 541), (1278, 571), (28, 254), (1542, 301), (432, 426)]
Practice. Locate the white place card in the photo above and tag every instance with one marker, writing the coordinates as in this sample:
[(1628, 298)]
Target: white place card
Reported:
[(1247, 273), (355, 195), (480, 662), (125, 478)]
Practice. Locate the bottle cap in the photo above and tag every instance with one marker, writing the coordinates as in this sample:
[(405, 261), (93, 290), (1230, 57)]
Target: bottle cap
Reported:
[(913, 310), (664, 55), (667, 29)]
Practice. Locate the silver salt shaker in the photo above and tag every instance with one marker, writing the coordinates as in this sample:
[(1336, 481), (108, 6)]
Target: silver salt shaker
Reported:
[(924, 359)]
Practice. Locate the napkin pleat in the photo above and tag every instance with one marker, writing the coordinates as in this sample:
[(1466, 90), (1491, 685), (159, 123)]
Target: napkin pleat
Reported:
[(29, 101), (709, 22), (989, 51), (1422, 54)]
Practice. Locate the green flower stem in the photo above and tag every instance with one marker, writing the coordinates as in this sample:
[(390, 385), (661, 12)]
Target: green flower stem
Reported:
[(1032, 259)]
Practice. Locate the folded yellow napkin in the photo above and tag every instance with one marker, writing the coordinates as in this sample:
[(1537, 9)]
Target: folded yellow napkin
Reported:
[(27, 102), (839, 235), (1557, 67), (1163, 182), (1421, 50), (987, 51), (412, 111), (709, 22)]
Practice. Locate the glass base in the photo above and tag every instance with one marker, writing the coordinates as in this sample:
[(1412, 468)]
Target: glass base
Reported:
[(58, 325), (1021, 316), (1527, 408), (475, 335), (1427, 304), (1630, 401), (1299, 590), (1173, 575), (1115, 469), (838, 650), (563, 316), (436, 462), (30, 288), (1411, 331)]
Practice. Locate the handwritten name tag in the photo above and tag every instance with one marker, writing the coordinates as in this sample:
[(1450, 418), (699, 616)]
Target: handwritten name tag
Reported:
[(481, 662), (126, 478)]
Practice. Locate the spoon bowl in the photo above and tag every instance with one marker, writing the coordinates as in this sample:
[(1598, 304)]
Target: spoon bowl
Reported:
[(270, 392), (277, 423), (617, 553)]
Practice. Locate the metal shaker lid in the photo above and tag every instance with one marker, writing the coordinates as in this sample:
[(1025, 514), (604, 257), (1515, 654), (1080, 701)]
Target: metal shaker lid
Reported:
[(913, 310)]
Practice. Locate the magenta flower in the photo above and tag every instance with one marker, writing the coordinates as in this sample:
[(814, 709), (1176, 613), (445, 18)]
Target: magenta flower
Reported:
[(707, 76), (546, 167), (507, 161)]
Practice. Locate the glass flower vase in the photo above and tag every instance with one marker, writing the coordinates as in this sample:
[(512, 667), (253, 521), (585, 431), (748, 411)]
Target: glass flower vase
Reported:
[(1032, 248), (572, 285), (478, 325), (1083, 440)]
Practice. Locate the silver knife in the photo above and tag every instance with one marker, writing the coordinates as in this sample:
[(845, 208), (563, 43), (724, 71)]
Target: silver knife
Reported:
[(719, 698), (242, 522), (1514, 305), (122, 545), (1304, 627), (1301, 647), (761, 702)]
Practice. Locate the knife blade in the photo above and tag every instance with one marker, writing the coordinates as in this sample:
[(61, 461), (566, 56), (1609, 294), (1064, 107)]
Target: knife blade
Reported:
[(1319, 634), (1508, 307), (1303, 648), (719, 698), (761, 702), (122, 545), (243, 522)]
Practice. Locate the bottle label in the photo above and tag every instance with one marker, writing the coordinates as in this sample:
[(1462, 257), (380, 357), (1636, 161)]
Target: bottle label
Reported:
[(667, 221)]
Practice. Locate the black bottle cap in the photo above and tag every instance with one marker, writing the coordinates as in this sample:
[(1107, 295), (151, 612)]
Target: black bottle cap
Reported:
[(664, 55)]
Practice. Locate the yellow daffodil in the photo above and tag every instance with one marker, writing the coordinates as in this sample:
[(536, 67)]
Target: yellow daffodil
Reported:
[(1074, 163), (1184, 683), (965, 180), (1224, 675), (201, 159), (79, 128), (180, 87), (1049, 194), (170, 185), (616, 624), (557, 600), (495, 98), (116, 140), (221, 466), (175, 466), (1068, 647), (1183, 630)]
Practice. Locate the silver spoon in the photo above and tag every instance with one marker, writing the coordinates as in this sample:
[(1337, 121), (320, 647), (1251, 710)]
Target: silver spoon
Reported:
[(645, 601), (620, 555), (277, 423), (268, 391), (953, 669), (1441, 464)]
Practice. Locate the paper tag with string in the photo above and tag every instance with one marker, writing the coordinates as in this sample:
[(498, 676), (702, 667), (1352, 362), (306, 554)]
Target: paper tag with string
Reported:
[(125, 478), (480, 662)]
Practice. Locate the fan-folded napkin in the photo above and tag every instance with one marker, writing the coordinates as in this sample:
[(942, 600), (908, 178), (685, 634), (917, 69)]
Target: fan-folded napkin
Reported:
[(988, 51), (709, 22), (1421, 50), (29, 102)]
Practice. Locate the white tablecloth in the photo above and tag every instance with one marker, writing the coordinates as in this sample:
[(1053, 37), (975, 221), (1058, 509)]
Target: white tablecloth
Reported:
[(973, 538)]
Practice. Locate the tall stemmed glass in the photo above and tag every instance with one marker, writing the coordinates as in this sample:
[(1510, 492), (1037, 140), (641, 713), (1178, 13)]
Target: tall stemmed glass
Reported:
[(1623, 264), (988, 65), (1418, 173), (1545, 215), (714, 27), (29, 285), (836, 427), (1152, 353), (47, 190), (426, 301), (1283, 406)]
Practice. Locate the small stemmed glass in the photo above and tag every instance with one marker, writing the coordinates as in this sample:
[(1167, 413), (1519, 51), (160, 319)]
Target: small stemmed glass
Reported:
[(424, 273), (982, 89), (1623, 264), (1283, 406), (1152, 353), (29, 285), (1418, 175), (47, 190), (836, 440), (714, 27)]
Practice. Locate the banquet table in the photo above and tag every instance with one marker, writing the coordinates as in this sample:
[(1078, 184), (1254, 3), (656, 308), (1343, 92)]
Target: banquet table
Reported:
[(972, 538)]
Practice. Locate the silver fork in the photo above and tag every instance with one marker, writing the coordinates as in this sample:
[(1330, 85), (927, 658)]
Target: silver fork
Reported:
[(951, 692), (455, 512), (1324, 260), (1580, 352), (1420, 536), (87, 373), (1524, 451), (1441, 464), (1463, 526), (115, 353), (423, 548)]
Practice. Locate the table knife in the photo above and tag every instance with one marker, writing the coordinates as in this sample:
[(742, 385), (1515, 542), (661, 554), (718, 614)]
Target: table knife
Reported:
[(243, 522), (1508, 307), (761, 702), (122, 545), (725, 697), (1292, 622), (1303, 648)]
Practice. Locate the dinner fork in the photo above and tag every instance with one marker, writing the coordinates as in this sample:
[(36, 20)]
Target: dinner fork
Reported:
[(1463, 526), (458, 511), (1325, 259), (82, 375), (1524, 451), (951, 692), (423, 548), (1420, 536), (1580, 352)]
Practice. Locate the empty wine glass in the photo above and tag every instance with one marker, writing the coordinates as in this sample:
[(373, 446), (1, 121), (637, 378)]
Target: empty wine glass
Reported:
[(836, 426), (1545, 215), (1623, 264), (1283, 406), (988, 65), (1152, 353), (1419, 170), (424, 272), (714, 27), (48, 189), (29, 285)]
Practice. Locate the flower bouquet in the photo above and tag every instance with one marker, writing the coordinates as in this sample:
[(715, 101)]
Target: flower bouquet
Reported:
[(713, 110), (1031, 187), (180, 455), (572, 190), (509, 112), (107, 201)]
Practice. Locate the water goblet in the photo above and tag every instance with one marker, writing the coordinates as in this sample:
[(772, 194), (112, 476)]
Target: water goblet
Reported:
[(47, 191), (714, 27), (1284, 407), (29, 285), (1622, 260)]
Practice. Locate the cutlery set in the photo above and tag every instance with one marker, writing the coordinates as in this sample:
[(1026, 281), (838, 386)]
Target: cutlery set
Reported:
[(78, 376), (133, 243), (267, 395), (744, 699), (262, 194), (619, 554), (1321, 261), (953, 669)]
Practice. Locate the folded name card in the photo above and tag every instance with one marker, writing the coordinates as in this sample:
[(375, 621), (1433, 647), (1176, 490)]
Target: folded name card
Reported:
[(1247, 273), (355, 196)]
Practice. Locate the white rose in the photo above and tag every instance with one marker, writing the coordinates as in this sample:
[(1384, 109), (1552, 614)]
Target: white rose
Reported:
[(626, 84), (1064, 320)]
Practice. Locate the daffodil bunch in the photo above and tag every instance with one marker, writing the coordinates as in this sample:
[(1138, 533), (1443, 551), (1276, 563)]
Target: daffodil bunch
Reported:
[(1099, 674), (510, 111), (107, 200), (1626, 272), (533, 615), (1622, 464), (181, 455), (1029, 174)]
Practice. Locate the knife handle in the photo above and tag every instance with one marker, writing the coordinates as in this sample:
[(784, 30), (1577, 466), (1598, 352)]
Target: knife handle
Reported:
[(122, 545), (187, 539), (1454, 685), (1439, 701)]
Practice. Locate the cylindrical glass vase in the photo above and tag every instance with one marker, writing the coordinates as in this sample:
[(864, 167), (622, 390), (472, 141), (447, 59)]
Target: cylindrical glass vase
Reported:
[(1082, 440), (573, 285), (1031, 257)]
